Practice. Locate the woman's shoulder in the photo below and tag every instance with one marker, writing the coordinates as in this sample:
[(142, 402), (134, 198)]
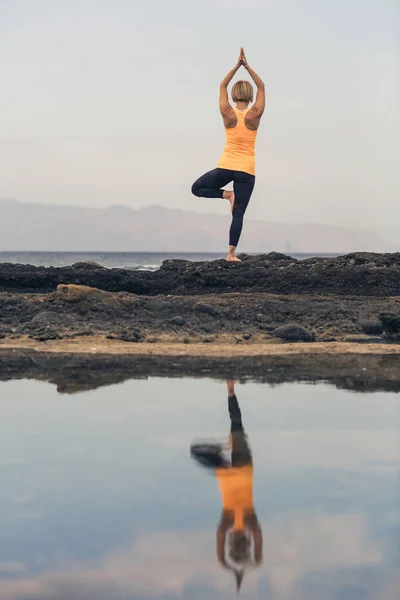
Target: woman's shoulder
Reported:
[(252, 120), (230, 119)]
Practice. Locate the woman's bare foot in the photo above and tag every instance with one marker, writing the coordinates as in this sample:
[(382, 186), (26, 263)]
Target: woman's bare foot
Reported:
[(231, 197), (230, 384), (231, 255), (233, 259)]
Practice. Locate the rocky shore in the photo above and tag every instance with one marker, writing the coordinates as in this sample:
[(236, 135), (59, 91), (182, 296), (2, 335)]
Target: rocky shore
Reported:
[(265, 299), (358, 274)]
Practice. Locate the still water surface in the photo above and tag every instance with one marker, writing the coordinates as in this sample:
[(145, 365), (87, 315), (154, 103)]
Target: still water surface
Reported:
[(102, 498)]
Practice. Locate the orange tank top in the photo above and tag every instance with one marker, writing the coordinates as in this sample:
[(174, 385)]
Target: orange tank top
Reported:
[(239, 151), (236, 486)]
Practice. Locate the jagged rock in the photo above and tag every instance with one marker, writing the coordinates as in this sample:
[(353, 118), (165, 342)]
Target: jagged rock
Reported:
[(5, 330), (178, 321), (371, 326), (279, 256), (129, 335), (85, 331), (205, 308), (292, 332), (207, 327), (329, 316), (48, 324), (87, 264), (159, 305), (368, 275), (391, 325), (46, 317), (47, 333)]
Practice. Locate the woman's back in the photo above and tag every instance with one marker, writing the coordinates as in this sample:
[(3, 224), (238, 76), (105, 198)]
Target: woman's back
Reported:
[(239, 151)]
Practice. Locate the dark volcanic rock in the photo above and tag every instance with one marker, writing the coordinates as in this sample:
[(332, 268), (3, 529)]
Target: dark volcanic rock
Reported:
[(126, 335), (292, 332), (371, 326), (205, 308), (88, 311), (160, 305), (130, 336), (391, 325), (207, 327), (5, 330), (178, 321), (87, 264), (46, 333), (48, 325), (46, 317), (358, 274)]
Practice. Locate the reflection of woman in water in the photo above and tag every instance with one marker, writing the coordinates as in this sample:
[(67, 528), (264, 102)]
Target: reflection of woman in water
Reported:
[(239, 537)]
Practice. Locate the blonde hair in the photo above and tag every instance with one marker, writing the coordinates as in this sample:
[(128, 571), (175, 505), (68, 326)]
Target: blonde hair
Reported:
[(242, 91)]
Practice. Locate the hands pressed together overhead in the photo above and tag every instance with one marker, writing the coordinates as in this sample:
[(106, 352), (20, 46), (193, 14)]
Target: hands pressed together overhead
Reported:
[(242, 60)]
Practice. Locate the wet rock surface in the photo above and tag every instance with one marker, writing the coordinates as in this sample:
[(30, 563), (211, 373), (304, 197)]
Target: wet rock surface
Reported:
[(360, 274)]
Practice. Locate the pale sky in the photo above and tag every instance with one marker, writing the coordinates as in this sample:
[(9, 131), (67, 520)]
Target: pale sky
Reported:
[(116, 102)]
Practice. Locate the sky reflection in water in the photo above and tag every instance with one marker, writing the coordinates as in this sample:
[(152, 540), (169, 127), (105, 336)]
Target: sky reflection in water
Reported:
[(101, 498)]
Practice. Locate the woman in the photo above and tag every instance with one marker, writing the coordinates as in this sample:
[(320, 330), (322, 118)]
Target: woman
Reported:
[(239, 536), (237, 162)]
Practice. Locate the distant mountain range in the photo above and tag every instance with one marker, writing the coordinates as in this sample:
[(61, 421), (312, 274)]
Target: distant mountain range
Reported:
[(41, 227)]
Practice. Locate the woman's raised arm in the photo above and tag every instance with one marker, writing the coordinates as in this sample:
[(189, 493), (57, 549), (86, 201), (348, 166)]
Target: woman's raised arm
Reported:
[(259, 105), (224, 104)]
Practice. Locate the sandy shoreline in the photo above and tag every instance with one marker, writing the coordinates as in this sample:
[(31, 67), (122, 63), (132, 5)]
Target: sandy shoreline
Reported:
[(101, 345)]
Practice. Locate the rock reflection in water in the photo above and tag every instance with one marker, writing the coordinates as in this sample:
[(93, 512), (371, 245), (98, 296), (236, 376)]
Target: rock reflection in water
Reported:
[(239, 536)]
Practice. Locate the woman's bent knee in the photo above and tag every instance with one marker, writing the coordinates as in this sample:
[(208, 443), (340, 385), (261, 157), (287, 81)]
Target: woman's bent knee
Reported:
[(195, 189)]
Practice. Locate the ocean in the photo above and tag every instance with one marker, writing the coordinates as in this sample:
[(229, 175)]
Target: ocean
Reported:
[(136, 261)]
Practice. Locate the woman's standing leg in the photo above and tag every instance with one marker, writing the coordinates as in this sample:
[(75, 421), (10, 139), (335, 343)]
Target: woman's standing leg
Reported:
[(243, 185), (209, 185), (241, 453)]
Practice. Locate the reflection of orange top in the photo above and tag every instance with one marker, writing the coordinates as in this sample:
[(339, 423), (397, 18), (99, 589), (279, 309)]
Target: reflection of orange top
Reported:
[(239, 151), (236, 486)]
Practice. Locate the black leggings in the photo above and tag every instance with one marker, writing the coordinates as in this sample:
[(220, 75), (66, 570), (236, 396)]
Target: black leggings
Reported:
[(209, 186), (241, 454), (211, 456)]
